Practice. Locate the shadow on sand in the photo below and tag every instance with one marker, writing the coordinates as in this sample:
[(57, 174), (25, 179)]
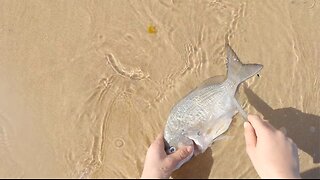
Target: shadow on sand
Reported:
[(199, 167), (311, 174), (302, 128)]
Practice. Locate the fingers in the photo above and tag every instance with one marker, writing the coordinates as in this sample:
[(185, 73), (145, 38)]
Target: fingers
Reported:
[(250, 137), (180, 155), (259, 124), (256, 121)]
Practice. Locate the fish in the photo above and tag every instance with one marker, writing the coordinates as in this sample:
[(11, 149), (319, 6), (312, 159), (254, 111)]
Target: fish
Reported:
[(205, 113)]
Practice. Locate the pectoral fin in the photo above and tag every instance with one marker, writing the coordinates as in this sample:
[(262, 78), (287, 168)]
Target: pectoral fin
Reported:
[(204, 136)]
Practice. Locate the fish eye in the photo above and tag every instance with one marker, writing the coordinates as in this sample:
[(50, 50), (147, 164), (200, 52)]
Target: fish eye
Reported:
[(172, 149)]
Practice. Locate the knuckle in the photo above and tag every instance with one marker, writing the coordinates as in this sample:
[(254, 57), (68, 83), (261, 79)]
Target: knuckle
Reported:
[(183, 154)]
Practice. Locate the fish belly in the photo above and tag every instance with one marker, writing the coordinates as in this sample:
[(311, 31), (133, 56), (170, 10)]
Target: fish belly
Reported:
[(219, 110)]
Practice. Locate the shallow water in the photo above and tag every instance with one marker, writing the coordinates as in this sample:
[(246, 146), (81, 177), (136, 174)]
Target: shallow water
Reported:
[(87, 85)]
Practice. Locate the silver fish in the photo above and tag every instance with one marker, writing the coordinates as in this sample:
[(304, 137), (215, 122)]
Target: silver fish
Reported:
[(206, 112)]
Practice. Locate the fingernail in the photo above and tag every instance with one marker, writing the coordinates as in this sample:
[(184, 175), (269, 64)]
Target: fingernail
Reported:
[(245, 124), (189, 149)]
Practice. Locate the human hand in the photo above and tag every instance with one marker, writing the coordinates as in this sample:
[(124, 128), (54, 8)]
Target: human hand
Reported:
[(160, 165), (272, 154)]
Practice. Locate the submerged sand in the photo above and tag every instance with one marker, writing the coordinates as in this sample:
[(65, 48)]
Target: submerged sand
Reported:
[(87, 85)]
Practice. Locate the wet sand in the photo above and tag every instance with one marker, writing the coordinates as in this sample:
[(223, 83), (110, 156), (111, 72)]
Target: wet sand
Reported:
[(87, 85)]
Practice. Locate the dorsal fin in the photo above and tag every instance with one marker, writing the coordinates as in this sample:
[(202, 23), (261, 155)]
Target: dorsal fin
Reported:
[(213, 80)]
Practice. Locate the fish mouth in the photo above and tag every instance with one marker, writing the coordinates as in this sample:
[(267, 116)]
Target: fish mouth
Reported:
[(197, 149)]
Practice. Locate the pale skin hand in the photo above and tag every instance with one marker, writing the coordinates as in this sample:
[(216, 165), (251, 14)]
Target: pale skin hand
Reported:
[(160, 165), (272, 154)]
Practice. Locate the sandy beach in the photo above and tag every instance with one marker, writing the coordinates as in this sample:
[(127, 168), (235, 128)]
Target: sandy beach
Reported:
[(86, 86)]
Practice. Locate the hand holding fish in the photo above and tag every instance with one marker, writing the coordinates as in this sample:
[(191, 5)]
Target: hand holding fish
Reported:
[(160, 165), (272, 153)]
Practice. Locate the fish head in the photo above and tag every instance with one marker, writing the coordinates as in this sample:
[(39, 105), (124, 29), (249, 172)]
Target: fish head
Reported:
[(173, 143)]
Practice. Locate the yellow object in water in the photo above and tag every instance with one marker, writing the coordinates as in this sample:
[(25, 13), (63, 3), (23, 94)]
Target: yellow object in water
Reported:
[(152, 29)]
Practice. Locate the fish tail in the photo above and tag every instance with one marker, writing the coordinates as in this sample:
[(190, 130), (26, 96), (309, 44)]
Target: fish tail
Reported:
[(238, 72)]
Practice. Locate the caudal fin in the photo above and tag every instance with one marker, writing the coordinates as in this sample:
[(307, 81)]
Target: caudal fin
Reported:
[(237, 71)]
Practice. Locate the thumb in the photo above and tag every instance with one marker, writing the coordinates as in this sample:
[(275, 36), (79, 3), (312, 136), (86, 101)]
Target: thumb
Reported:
[(250, 137), (180, 155)]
